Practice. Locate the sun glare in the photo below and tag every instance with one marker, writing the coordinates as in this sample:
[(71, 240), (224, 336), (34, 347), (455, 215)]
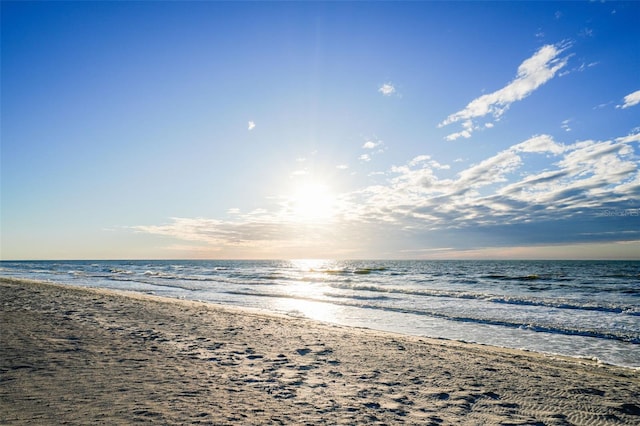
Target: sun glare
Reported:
[(313, 202), (310, 265)]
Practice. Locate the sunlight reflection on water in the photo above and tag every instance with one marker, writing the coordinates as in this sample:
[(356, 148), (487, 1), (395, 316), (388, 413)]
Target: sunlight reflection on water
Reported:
[(318, 311)]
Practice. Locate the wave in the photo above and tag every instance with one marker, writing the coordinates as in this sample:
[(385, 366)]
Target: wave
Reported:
[(356, 297), (354, 271), (120, 271), (530, 277), (551, 303), (629, 337), (621, 275)]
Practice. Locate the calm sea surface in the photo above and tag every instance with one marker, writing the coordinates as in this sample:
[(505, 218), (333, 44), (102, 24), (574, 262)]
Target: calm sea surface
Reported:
[(577, 308)]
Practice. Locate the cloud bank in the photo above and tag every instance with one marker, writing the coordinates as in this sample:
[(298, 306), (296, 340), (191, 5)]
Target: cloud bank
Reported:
[(501, 200)]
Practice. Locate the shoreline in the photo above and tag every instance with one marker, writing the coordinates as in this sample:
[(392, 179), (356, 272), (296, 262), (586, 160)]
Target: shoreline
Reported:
[(245, 310), (96, 355)]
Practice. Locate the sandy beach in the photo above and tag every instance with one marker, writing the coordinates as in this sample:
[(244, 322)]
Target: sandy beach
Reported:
[(87, 356)]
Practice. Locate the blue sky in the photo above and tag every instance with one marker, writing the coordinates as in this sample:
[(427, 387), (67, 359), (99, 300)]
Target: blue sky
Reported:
[(340, 130)]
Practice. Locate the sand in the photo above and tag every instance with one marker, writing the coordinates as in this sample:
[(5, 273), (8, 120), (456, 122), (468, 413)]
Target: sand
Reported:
[(89, 356)]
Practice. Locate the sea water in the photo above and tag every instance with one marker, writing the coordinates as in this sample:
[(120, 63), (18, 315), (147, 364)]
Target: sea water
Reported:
[(588, 309)]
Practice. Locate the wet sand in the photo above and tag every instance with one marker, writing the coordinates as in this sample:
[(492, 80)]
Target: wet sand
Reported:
[(85, 356)]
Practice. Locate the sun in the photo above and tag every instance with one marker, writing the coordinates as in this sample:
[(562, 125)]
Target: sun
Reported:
[(312, 202)]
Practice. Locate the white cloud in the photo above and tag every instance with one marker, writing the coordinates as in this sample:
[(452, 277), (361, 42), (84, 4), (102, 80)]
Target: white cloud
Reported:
[(437, 165), (191, 229), (498, 194), (532, 73), (492, 170), (565, 125), (462, 134), (603, 161), (342, 166), (371, 144), (630, 100), (419, 159), (426, 159), (540, 143), (631, 137), (602, 105), (584, 66), (387, 89), (251, 125)]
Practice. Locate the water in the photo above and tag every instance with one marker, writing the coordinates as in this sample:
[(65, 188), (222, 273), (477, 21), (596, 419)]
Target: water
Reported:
[(575, 308)]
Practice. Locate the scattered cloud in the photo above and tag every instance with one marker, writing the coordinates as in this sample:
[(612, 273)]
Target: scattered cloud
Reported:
[(419, 159), (634, 136), (540, 144), (583, 66), (251, 125), (387, 89), (588, 176), (374, 146), (565, 125), (342, 166), (532, 73), (586, 32), (466, 132), (602, 105), (501, 200), (426, 159), (630, 100), (371, 144)]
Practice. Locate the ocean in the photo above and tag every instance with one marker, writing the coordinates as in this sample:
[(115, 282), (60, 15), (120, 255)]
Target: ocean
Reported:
[(586, 309)]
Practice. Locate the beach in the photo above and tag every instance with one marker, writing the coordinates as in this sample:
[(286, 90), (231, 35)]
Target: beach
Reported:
[(72, 355)]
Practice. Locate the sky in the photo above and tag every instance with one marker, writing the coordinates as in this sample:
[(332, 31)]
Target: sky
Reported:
[(261, 130)]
